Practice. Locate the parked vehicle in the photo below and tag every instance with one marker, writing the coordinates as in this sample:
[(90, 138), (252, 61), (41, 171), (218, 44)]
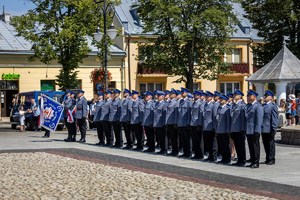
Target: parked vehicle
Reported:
[(24, 99)]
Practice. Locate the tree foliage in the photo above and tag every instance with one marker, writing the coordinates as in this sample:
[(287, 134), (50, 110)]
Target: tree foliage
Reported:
[(274, 19), (58, 30), (191, 38)]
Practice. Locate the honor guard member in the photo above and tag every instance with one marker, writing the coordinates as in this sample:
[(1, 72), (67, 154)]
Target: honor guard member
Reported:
[(196, 129), (237, 132), (67, 106), (254, 120), (114, 118), (216, 106), (125, 117), (97, 116), (230, 98), (159, 121), (136, 120), (147, 122), (171, 121), (183, 122), (81, 114), (72, 112), (208, 129), (167, 96), (104, 117), (269, 127), (167, 101), (223, 129)]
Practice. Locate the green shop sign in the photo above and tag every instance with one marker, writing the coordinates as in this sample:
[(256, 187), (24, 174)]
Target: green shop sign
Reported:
[(10, 76)]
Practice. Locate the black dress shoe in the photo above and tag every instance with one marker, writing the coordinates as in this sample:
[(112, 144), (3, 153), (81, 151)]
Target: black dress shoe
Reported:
[(209, 160), (172, 154), (184, 156), (108, 145), (100, 144), (196, 158), (117, 146), (127, 147), (68, 140), (248, 161), (253, 166), (82, 141), (162, 152), (138, 149), (149, 150), (237, 164), (74, 140), (271, 162)]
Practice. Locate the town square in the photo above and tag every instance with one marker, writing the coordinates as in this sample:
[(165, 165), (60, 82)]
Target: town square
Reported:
[(139, 99)]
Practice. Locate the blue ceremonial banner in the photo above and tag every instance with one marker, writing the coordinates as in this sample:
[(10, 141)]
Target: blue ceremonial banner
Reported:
[(51, 112)]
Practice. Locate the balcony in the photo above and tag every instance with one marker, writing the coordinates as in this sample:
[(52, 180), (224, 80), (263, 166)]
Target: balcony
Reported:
[(242, 68), (143, 71)]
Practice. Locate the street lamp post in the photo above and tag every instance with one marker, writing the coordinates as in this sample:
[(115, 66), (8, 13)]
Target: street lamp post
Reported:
[(111, 33)]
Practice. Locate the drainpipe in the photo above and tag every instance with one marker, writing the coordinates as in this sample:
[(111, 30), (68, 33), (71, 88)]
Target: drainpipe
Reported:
[(128, 60)]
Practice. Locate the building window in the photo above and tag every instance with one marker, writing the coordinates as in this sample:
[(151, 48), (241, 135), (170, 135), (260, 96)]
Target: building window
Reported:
[(196, 86), (150, 87), (47, 85), (233, 56), (229, 87)]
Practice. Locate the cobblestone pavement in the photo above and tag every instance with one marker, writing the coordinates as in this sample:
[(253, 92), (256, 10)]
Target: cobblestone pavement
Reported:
[(48, 176)]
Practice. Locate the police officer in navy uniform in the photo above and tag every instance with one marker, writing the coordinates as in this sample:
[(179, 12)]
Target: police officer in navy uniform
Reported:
[(223, 123), (196, 125), (125, 118), (269, 127), (81, 114), (237, 132), (216, 106), (171, 121), (147, 121), (114, 118), (167, 101), (254, 120), (99, 124), (67, 105), (208, 127), (159, 121), (183, 122), (104, 117), (136, 120)]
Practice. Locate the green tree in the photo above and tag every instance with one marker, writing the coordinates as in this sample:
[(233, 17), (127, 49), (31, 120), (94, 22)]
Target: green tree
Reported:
[(274, 19), (191, 38), (59, 31)]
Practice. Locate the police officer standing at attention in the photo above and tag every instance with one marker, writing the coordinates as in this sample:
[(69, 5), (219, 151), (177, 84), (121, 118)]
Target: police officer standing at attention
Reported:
[(171, 121), (81, 114), (136, 120), (183, 122), (72, 112), (104, 117), (254, 120), (208, 129), (237, 132), (67, 105), (114, 118), (223, 129), (196, 129), (147, 121), (99, 124), (125, 117), (269, 127), (159, 121)]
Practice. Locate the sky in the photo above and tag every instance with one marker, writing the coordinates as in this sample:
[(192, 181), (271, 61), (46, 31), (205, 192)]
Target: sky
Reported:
[(16, 7)]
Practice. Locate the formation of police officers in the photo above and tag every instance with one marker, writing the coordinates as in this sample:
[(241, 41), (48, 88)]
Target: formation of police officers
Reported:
[(180, 120)]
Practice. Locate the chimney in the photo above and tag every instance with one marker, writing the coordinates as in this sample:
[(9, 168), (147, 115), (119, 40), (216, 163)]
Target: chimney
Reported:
[(5, 16)]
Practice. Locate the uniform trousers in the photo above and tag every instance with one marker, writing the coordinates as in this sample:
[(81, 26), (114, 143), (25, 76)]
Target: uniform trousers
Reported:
[(128, 133), (254, 147), (82, 127), (107, 131), (161, 134), (118, 133), (196, 133), (223, 140), (209, 137), (71, 130), (186, 140), (149, 131), (173, 132), (138, 131), (269, 146), (240, 147), (100, 132)]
